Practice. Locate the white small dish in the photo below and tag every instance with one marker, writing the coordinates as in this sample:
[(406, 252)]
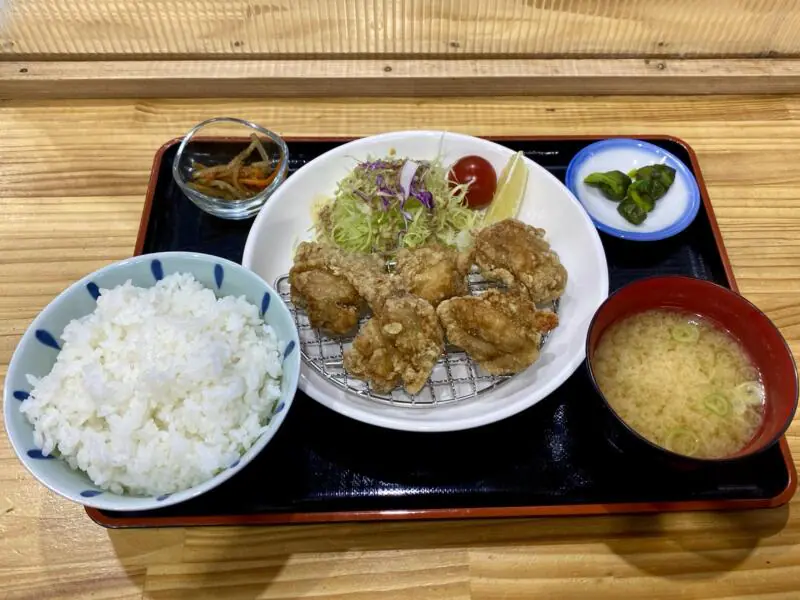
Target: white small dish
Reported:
[(672, 214), (286, 220)]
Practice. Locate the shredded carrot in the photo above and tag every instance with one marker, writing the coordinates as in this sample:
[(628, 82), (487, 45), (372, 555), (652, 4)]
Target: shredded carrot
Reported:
[(228, 181)]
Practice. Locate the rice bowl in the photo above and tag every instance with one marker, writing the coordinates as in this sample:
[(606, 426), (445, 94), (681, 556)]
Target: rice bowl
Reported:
[(176, 381), (159, 388)]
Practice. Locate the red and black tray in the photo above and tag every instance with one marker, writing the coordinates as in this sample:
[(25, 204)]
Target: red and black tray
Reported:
[(552, 459)]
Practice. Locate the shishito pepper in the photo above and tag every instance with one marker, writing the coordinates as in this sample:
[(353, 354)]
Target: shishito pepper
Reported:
[(662, 176), (613, 184), (642, 193), (636, 196), (632, 212)]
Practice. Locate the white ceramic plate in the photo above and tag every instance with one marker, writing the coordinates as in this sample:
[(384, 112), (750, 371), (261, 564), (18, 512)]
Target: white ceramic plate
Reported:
[(287, 218)]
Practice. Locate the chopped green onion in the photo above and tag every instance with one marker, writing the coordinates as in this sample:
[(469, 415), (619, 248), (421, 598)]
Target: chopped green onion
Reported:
[(751, 393), (683, 441), (688, 333), (738, 406), (717, 403)]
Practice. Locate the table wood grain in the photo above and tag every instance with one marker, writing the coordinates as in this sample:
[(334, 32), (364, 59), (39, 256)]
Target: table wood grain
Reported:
[(72, 182)]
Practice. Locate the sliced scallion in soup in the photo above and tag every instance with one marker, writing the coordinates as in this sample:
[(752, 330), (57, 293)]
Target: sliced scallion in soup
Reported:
[(680, 382)]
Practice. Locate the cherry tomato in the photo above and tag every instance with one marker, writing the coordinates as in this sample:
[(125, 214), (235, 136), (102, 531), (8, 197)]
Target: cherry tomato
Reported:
[(480, 174)]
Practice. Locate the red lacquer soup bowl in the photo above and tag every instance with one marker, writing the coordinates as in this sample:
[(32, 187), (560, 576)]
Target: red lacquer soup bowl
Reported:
[(728, 310)]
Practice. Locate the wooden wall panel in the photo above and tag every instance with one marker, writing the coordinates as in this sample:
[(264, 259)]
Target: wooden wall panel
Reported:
[(259, 28)]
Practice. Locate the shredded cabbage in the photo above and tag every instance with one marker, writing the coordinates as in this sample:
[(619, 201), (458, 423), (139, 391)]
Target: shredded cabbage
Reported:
[(371, 211)]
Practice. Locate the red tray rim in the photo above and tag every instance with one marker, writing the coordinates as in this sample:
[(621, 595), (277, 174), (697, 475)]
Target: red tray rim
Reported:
[(279, 518)]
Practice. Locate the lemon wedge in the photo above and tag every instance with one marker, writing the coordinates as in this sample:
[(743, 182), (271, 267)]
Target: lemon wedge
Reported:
[(510, 191)]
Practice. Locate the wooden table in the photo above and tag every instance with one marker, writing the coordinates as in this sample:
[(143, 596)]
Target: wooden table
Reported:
[(72, 181)]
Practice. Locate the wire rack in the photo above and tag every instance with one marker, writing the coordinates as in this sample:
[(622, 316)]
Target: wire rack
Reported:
[(454, 378)]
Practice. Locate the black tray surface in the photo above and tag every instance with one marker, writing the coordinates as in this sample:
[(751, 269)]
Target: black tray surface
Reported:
[(551, 454)]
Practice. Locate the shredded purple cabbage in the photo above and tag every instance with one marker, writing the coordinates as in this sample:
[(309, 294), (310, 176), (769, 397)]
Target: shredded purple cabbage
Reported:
[(376, 164), (425, 198), (409, 173)]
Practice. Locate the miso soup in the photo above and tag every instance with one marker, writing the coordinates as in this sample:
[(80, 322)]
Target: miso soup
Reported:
[(680, 382)]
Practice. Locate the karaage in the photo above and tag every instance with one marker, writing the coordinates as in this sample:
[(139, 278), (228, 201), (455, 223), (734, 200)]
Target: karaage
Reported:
[(330, 302), (323, 282), (500, 331), (400, 343), (433, 272), (517, 255)]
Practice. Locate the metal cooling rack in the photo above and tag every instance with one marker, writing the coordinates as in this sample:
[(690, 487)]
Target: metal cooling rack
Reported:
[(455, 376)]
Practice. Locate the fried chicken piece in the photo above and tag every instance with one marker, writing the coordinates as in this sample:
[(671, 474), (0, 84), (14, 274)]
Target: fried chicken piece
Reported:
[(365, 272), (433, 272), (375, 286), (403, 339), (330, 302), (400, 343), (500, 331), (313, 255), (517, 254), (332, 285)]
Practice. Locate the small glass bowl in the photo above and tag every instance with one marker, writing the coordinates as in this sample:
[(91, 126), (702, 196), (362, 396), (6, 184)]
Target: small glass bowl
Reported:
[(216, 142)]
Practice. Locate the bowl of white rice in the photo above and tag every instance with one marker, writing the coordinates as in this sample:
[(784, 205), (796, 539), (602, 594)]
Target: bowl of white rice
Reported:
[(151, 381)]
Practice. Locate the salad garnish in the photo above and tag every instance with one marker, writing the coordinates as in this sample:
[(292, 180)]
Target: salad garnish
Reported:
[(389, 203)]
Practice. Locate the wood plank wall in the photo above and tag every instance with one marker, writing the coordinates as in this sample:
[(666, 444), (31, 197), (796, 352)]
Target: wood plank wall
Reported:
[(125, 29)]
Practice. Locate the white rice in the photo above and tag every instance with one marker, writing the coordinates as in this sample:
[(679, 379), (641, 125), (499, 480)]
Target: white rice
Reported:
[(159, 388)]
